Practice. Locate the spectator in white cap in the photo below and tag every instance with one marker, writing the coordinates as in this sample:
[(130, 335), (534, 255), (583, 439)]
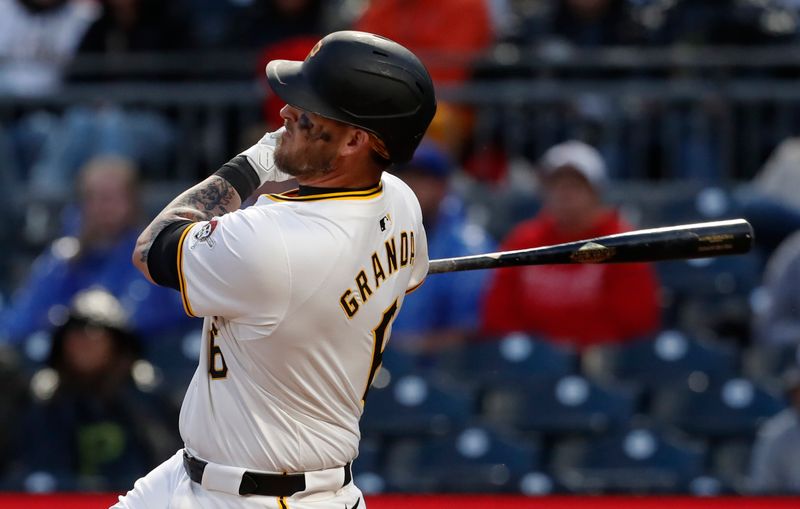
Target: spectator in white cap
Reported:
[(580, 305), (573, 176)]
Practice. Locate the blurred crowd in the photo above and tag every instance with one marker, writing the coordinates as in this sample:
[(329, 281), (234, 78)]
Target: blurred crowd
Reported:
[(675, 377)]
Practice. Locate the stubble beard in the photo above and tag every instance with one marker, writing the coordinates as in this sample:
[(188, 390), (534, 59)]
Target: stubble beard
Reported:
[(303, 165)]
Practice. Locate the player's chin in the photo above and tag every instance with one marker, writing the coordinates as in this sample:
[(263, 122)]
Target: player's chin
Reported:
[(284, 162)]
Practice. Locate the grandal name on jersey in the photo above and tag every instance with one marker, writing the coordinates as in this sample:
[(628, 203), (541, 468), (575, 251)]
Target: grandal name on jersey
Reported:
[(397, 254)]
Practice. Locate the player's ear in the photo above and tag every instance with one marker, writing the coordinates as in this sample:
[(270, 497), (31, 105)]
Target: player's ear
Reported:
[(355, 141)]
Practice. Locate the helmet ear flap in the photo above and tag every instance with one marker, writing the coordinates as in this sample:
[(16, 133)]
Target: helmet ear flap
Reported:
[(364, 80)]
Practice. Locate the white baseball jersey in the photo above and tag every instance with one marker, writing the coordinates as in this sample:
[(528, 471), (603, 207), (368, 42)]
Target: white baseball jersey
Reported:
[(298, 295)]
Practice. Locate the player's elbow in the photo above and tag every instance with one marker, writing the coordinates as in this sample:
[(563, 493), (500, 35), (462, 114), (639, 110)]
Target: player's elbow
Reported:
[(139, 257)]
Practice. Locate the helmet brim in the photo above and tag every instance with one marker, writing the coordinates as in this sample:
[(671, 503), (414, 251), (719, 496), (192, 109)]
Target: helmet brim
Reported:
[(287, 80)]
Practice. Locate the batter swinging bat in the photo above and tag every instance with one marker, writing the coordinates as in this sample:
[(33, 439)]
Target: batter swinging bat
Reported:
[(701, 240)]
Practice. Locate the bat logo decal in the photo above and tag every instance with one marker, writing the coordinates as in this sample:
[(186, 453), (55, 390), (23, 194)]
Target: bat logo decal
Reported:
[(592, 252)]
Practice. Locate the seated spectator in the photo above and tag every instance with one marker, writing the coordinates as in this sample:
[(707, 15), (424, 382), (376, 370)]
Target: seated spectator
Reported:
[(69, 141), (778, 322), (56, 146), (576, 304), (715, 23), (426, 28), (771, 202), (91, 425), (99, 255), (593, 23), (267, 22), (127, 26), (444, 311), (775, 469), (37, 39), (293, 48)]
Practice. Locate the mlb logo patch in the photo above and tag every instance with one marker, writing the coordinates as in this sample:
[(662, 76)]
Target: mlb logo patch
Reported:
[(385, 222)]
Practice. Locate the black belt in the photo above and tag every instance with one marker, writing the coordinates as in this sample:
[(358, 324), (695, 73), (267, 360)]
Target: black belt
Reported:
[(258, 483)]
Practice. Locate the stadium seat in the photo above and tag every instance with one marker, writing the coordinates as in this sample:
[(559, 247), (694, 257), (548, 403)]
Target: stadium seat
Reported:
[(515, 356), (368, 471), (669, 358), (731, 408), (396, 362), (500, 210), (414, 405), (693, 204), (730, 462), (559, 405), (174, 357), (637, 460), (711, 278), (477, 459)]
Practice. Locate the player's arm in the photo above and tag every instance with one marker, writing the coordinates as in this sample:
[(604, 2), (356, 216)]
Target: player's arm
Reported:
[(157, 246), (156, 249)]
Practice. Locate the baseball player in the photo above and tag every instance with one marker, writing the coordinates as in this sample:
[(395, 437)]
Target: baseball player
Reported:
[(298, 292)]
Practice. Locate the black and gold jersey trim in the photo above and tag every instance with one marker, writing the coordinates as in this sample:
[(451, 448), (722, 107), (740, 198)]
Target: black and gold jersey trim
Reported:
[(187, 307), (282, 503), (414, 287), (361, 194)]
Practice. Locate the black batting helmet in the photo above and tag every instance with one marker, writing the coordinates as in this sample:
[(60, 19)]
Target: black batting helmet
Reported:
[(363, 80)]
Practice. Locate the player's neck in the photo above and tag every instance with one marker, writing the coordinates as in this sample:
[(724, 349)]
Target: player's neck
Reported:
[(343, 180)]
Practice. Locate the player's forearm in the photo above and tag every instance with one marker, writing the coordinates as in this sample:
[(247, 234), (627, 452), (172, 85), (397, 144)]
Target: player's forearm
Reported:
[(212, 197)]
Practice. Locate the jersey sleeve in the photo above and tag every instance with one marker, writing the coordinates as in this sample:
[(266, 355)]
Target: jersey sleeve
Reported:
[(420, 268), (235, 266)]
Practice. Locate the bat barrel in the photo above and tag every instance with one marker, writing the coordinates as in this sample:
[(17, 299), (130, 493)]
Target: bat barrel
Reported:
[(699, 240)]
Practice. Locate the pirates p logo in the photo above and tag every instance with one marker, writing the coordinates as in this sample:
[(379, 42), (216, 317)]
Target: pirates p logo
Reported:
[(204, 235)]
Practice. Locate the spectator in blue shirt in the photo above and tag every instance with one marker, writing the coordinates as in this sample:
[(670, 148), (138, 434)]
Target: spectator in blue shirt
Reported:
[(97, 256), (443, 312)]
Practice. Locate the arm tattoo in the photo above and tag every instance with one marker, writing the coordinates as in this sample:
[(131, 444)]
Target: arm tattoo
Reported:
[(207, 201), (214, 196)]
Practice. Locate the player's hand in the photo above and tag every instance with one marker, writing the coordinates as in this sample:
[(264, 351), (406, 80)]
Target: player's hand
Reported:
[(262, 157)]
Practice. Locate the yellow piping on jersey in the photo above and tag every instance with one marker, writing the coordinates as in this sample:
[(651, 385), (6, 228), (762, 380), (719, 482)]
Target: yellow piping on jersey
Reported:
[(282, 503), (187, 307), (366, 194), (414, 287)]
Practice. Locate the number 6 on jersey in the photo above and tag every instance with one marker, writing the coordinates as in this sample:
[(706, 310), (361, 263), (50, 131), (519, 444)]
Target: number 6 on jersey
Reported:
[(379, 340)]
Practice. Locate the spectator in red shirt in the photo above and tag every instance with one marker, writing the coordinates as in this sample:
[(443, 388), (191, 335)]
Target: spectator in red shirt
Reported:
[(449, 36), (446, 34), (580, 305)]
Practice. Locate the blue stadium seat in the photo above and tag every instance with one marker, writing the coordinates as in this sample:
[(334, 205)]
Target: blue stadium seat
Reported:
[(669, 358), (414, 405), (396, 362), (560, 405), (711, 278), (695, 204), (717, 410), (730, 462), (368, 471), (638, 460), (174, 357), (514, 356), (477, 460)]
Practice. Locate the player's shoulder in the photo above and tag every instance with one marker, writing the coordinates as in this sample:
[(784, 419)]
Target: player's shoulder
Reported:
[(239, 226), (396, 189), (394, 183)]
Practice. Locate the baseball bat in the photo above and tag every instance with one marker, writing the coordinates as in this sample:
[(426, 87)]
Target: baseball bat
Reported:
[(700, 240)]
